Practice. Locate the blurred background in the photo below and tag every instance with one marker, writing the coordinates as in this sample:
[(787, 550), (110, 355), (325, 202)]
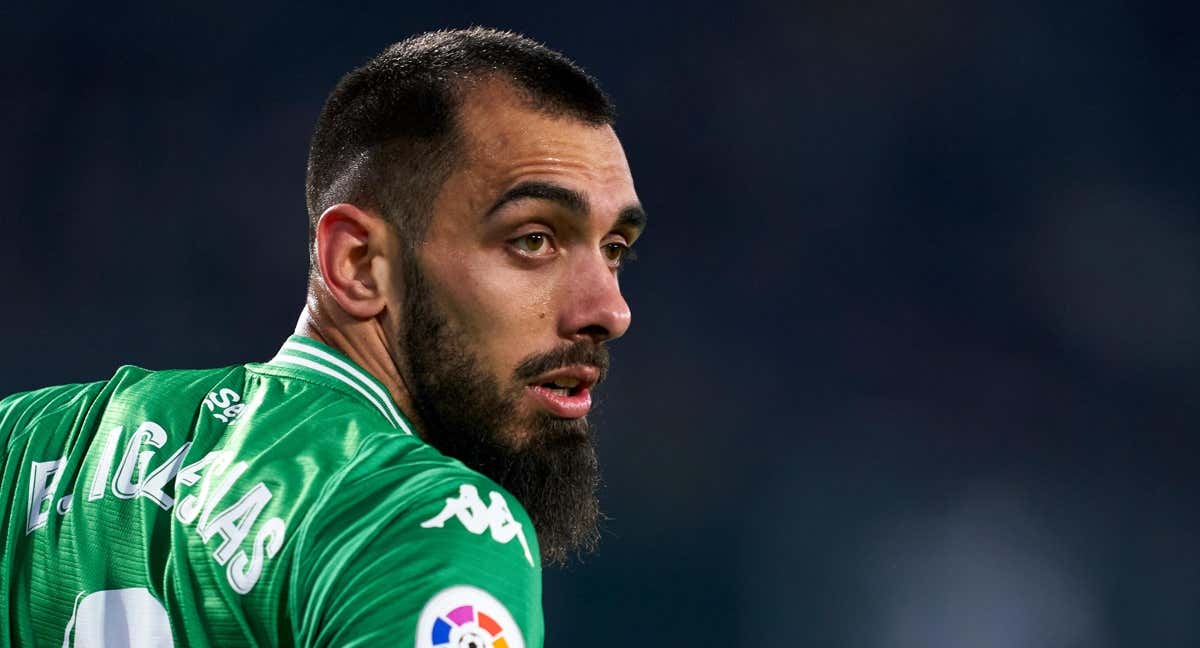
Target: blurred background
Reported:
[(916, 348)]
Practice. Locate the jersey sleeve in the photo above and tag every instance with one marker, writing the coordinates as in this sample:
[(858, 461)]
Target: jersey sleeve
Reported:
[(416, 552)]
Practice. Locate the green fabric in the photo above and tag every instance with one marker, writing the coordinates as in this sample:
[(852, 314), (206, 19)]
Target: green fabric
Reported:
[(279, 503)]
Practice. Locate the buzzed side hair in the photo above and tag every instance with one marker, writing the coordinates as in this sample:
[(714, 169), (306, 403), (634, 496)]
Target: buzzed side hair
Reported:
[(388, 137)]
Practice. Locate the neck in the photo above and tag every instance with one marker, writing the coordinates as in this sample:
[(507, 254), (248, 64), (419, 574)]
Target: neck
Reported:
[(364, 342)]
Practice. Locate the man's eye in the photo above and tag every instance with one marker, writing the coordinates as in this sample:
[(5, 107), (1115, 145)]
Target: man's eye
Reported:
[(535, 243), (616, 253)]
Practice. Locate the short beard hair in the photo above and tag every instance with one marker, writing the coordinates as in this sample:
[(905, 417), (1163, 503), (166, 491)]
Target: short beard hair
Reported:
[(550, 467)]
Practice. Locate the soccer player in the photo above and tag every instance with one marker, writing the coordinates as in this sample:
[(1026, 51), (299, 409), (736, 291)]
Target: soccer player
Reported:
[(398, 471)]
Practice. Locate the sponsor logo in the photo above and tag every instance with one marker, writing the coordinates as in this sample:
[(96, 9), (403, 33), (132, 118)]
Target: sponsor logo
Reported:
[(225, 405), (478, 517), (467, 617)]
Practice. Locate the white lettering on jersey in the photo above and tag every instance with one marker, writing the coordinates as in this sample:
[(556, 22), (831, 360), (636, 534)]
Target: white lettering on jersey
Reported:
[(225, 405), (43, 480), (233, 524), (211, 464), (150, 433), (152, 487), (211, 496), (478, 517), (212, 478), (242, 572), (100, 480)]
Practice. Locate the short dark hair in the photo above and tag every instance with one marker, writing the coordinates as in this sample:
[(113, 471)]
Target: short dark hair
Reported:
[(388, 138)]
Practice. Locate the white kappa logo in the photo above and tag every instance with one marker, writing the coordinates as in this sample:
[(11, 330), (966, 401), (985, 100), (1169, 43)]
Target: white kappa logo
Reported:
[(478, 517)]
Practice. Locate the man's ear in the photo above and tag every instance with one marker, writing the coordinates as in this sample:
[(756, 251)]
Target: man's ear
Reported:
[(352, 247)]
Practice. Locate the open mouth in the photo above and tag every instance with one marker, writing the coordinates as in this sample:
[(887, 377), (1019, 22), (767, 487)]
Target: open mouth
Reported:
[(565, 393), (564, 386)]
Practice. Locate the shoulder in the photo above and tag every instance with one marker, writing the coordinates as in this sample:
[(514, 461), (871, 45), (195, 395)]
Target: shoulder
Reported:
[(135, 382), (127, 383), (407, 531), (22, 411), (40, 401), (406, 483)]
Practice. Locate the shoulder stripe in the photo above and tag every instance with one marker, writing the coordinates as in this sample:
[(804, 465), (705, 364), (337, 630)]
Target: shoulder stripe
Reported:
[(284, 359), (298, 352), (364, 379)]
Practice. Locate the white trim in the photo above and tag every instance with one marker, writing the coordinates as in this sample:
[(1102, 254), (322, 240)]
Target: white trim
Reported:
[(316, 366), (371, 383)]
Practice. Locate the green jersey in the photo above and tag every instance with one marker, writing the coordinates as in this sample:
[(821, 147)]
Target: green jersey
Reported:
[(277, 503)]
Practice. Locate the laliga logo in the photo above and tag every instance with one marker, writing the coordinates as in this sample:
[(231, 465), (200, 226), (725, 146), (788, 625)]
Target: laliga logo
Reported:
[(467, 617)]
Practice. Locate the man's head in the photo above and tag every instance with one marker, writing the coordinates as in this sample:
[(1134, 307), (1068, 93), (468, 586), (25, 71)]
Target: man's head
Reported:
[(389, 133), (470, 207)]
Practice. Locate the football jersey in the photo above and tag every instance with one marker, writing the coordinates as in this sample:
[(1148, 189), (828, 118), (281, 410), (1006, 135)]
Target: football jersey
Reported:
[(278, 503)]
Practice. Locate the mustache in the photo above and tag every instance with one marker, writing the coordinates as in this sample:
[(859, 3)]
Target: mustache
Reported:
[(583, 352)]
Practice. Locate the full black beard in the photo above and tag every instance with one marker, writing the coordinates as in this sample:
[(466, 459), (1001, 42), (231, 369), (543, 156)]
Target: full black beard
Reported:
[(547, 463)]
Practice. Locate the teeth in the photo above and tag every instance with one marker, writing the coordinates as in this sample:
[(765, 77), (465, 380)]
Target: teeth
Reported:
[(566, 383)]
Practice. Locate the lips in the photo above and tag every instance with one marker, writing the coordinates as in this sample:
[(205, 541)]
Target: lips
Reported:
[(566, 392)]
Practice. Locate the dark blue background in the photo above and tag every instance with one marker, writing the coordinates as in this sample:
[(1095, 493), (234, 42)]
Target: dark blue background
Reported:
[(916, 345)]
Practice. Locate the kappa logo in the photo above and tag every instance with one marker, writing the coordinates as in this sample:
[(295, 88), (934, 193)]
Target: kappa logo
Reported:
[(478, 517)]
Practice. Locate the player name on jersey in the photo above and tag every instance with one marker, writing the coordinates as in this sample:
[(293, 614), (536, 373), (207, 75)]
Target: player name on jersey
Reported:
[(210, 479)]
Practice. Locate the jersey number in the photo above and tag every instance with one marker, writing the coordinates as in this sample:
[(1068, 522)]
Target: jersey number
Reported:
[(129, 617)]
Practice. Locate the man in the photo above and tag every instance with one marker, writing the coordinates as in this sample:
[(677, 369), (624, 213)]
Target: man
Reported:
[(379, 481)]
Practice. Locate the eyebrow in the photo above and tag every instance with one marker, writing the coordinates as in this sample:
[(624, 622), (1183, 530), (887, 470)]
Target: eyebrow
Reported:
[(568, 198), (632, 216)]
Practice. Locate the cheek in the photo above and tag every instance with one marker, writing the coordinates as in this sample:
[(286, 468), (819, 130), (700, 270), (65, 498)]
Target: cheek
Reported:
[(507, 312)]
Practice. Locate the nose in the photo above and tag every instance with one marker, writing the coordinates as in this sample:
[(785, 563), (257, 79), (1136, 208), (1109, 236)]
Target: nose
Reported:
[(594, 308)]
